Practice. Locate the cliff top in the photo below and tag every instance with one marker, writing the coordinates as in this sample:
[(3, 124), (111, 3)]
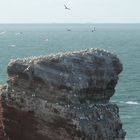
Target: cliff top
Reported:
[(90, 71)]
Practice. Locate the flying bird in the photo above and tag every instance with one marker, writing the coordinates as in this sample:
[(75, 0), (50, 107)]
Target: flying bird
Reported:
[(27, 69), (66, 7)]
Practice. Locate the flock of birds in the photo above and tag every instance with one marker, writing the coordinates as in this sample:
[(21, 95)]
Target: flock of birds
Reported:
[(93, 30), (19, 33)]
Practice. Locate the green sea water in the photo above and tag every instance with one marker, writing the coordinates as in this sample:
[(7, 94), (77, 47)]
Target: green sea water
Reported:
[(25, 40)]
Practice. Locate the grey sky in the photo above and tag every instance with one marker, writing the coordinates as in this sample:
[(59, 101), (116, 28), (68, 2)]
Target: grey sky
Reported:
[(52, 11)]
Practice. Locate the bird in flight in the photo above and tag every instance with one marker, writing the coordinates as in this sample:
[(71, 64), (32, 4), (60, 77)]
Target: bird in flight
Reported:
[(66, 7)]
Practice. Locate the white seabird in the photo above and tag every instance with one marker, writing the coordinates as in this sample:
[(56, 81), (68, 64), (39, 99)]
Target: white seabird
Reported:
[(66, 7), (27, 69), (13, 45)]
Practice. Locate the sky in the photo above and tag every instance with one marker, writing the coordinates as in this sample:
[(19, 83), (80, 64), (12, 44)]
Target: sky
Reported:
[(82, 11)]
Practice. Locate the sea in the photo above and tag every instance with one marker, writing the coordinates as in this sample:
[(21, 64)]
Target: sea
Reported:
[(26, 40)]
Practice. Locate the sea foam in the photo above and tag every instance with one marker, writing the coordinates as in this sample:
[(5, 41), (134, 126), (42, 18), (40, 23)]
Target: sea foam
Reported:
[(132, 102)]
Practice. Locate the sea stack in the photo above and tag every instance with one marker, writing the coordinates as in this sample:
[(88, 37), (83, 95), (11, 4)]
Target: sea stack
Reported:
[(61, 97)]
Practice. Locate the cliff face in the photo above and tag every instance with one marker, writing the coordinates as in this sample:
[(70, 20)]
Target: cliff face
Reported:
[(62, 97)]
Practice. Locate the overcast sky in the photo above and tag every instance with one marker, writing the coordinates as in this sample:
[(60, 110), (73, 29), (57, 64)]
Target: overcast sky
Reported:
[(82, 11)]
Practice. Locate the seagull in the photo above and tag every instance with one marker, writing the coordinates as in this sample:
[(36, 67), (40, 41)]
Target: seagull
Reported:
[(66, 7), (94, 29)]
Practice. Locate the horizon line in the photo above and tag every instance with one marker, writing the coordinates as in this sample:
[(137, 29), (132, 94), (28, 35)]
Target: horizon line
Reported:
[(72, 23)]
